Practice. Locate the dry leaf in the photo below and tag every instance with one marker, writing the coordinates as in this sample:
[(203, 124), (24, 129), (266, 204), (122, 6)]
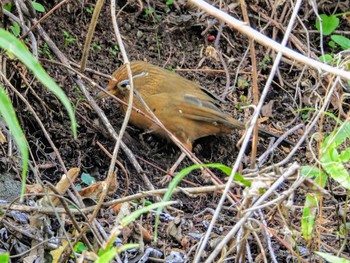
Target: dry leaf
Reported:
[(267, 109), (212, 53), (61, 187), (2, 138)]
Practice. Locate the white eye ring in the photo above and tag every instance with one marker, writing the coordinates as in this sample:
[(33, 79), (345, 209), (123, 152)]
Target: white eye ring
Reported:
[(125, 83)]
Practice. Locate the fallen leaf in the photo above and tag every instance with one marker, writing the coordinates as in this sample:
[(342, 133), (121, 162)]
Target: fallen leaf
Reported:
[(267, 109)]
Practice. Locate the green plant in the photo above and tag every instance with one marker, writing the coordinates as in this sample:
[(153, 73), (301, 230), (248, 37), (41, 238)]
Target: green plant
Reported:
[(152, 13), (88, 179), (38, 7), (265, 62), (327, 26), (168, 4), (4, 258), (95, 47), (89, 10), (80, 247), (331, 258), (68, 38), (15, 28), (149, 11), (334, 153), (8, 6), (304, 116), (114, 50), (46, 51), (12, 45), (170, 68)]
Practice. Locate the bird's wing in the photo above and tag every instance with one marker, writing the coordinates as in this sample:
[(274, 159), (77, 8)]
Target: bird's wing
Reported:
[(188, 106)]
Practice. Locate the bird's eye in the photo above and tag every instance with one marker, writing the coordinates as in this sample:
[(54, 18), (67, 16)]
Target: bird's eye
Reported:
[(123, 84)]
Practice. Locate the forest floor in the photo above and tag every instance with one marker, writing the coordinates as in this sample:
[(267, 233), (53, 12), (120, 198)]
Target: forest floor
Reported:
[(181, 38)]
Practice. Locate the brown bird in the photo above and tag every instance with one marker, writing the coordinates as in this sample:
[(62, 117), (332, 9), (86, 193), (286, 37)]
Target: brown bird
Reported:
[(184, 107)]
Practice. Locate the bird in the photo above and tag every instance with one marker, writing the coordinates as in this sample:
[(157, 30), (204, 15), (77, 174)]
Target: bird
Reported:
[(184, 107)]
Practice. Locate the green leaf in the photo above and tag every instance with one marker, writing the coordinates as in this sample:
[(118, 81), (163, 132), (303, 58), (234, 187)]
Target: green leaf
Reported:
[(342, 41), (134, 215), (169, 2), (16, 30), (309, 215), (332, 44), (88, 179), (331, 258), (331, 160), (325, 58), (4, 258), (9, 115), (8, 6), (16, 47), (38, 7), (80, 247), (345, 155), (329, 24), (107, 256), (149, 11)]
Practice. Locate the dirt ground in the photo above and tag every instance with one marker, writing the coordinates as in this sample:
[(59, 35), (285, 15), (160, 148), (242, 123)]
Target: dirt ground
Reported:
[(181, 38)]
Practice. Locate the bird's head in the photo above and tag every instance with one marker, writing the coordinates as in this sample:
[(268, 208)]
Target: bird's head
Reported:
[(120, 83)]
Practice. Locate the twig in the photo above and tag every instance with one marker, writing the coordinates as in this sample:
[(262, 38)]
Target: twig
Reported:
[(90, 33), (47, 210), (264, 156)]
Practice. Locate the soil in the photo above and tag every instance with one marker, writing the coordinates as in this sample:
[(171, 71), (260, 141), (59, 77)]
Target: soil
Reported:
[(179, 37)]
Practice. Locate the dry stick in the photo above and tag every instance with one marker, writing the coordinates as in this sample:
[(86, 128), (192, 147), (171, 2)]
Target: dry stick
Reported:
[(293, 39), (264, 40), (95, 72), (46, 210), (267, 236), (249, 131), (121, 166), (255, 84), (264, 156), (90, 33), (224, 65), (286, 245), (281, 197), (297, 85), (58, 53)]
